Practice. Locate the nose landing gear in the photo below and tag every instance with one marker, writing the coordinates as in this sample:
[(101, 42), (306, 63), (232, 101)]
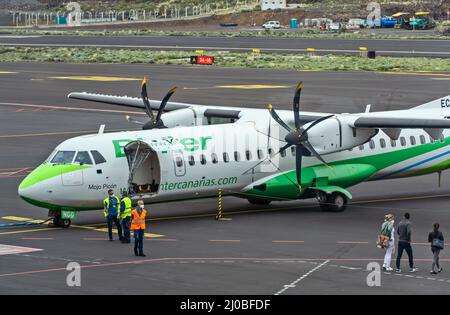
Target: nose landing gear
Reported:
[(58, 221)]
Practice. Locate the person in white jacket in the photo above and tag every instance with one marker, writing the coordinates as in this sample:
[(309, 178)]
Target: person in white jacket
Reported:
[(388, 229)]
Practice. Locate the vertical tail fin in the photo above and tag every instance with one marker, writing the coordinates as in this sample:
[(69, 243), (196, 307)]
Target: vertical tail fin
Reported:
[(440, 103)]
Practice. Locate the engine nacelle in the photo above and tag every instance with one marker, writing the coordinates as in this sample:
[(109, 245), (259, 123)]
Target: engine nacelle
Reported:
[(181, 117), (336, 134)]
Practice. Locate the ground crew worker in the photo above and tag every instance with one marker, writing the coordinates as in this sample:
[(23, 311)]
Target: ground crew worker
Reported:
[(111, 210), (138, 226), (125, 214)]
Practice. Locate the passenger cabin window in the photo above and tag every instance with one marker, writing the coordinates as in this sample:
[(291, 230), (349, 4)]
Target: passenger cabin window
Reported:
[(248, 155), (63, 157), (191, 160), (441, 138), (422, 139), (412, 139), (393, 143), (179, 161), (83, 158), (214, 158), (260, 154), (226, 157), (403, 141), (293, 151), (432, 140), (270, 151), (283, 153), (98, 158), (382, 143), (372, 144), (237, 156), (361, 147), (202, 159)]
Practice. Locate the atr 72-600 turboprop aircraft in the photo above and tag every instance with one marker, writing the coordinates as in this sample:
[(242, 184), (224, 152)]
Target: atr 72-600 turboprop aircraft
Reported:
[(189, 151)]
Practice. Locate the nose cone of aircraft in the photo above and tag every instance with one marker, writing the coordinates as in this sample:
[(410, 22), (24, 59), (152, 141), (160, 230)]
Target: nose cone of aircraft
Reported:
[(34, 189)]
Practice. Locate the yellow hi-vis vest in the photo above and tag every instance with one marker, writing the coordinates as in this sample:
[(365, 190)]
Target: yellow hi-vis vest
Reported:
[(106, 203), (125, 213)]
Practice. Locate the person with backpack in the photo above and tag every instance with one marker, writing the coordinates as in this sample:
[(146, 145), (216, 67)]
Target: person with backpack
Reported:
[(387, 241), (436, 239)]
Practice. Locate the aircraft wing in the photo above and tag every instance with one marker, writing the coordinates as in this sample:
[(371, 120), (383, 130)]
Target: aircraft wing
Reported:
[(402, 123), (126, 101)]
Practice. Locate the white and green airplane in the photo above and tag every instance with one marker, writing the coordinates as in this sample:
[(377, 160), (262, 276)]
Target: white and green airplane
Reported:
[(189, 151)]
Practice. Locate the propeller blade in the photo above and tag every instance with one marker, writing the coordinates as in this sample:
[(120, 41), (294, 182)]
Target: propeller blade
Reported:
[(316, 122), (144, 95), (298, 165), (296, 105), (164, 102), (277, 118), (311, 149)]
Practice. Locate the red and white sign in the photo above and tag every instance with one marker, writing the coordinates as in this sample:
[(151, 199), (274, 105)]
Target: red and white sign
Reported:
[(202, 60)]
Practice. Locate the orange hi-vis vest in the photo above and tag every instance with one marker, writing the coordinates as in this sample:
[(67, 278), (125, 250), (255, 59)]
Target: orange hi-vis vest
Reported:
[(138, 221)]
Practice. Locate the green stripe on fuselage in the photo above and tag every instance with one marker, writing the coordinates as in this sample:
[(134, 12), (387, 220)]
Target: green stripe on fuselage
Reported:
[(283, 186), (46, 171)]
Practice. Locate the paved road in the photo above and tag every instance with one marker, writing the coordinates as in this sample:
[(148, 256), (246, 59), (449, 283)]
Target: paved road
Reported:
[(435, 48), (255, 253)]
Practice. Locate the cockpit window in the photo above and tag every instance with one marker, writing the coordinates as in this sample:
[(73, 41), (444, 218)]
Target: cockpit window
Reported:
[(98, 158), (63, 157), (83, 158), (47, 160)]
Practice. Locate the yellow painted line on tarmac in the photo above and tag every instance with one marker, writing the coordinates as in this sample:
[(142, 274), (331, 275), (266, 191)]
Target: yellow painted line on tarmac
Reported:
[(253, 86), (417, 73), (7, 72), (22, 219), (96, 78), (441, 79), (105, 230), (29, 231)]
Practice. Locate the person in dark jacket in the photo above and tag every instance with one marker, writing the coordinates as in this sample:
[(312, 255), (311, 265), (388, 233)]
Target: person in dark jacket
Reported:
[(404, 243), (436, 247)]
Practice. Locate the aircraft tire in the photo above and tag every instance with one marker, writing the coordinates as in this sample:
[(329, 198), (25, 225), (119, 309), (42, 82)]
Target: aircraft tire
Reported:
[(336, 202), (65, 223)]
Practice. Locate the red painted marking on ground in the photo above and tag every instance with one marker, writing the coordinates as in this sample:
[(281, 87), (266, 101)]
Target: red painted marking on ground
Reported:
[(352, 242), (154, 260), (12, 250), (161, 239), (287, 241), (226, 241), (94, 239), (428, 244), (37, 238)]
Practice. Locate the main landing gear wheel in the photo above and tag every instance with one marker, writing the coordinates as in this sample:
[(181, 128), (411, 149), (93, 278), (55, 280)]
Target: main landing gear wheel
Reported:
[(59, 222), (259, 201), (335, 202)]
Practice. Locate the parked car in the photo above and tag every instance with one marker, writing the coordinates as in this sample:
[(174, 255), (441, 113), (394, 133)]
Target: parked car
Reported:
[(271, 25)]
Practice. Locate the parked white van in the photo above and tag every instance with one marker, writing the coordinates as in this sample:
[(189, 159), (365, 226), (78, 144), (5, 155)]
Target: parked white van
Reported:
[(271, 25)]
